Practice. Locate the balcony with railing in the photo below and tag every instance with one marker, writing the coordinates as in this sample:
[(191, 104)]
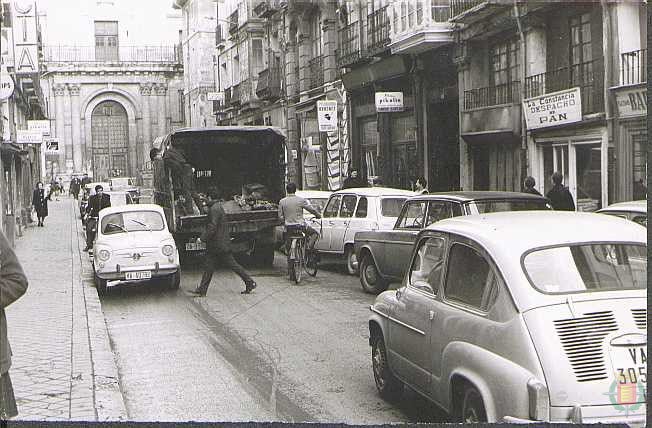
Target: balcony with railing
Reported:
[(508, 93), (220, 40), (269, 84), (459, 7), (248, 97), (588, 76), (121, 54), (350, 49), (266, 8), (378, 34), (233, 22), (235, 95), (633, 67), (316, 72), (227, 97), (491, 109), (420, 25)]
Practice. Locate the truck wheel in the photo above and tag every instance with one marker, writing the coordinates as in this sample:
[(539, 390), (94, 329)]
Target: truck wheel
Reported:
[(370, 278), (100, 285)]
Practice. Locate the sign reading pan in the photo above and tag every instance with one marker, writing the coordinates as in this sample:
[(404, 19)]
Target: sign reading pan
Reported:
[(557, 108), (389, 102)]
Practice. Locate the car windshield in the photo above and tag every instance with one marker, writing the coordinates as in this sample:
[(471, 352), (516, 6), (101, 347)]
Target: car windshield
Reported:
[(496, 206), (391, 207), (587, 267), (132, 221), (318, 203)]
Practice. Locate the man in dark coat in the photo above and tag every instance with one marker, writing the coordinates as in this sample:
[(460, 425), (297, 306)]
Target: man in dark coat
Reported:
[(353, 180), (559, 196), (529, 184), (96, 202), (218, 246), (40, 202), (13, 284), (182, 175), (75, 185)]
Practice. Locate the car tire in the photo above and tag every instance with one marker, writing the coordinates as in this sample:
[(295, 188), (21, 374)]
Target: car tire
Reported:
[(100, 285), (370, 278), (174, 280), (350, 257), (389, 386), (472, 410)]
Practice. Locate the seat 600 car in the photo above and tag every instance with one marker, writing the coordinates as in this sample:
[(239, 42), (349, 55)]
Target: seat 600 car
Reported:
[(134, 244), (520, 316)]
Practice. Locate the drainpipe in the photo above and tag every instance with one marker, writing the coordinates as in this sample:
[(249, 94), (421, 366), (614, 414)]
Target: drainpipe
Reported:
[(524, 132)]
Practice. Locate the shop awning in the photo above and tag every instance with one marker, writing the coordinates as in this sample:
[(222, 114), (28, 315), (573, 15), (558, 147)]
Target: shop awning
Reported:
[(12, 148), (488, 137)]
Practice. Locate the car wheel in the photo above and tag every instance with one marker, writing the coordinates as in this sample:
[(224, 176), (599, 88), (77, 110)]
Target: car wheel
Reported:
[(370, 278), (351, 260), (174, 280), (389, 387), (100, 285), (473, 410)]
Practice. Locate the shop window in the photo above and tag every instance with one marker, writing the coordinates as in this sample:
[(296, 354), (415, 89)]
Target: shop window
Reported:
[(370, 138), (639, 141), (404, 150)]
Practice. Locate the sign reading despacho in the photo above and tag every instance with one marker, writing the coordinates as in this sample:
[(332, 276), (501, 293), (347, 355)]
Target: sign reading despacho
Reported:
[(557, 108)]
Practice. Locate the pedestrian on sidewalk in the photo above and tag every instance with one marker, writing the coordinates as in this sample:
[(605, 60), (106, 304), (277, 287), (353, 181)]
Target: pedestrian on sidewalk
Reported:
[(40, 202), (218, 247), (559, 196), (96, 202), (13, 284), (529, 184), (75, 185)]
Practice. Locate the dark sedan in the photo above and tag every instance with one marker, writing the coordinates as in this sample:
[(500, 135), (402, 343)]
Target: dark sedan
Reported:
[(384, 255)]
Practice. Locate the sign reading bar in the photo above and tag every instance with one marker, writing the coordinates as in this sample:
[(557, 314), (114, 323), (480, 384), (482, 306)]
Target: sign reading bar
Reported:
[(28, 137), (631, 101), (327, 115), (557, 108), (215, 96), (389, 102), (42, 126)]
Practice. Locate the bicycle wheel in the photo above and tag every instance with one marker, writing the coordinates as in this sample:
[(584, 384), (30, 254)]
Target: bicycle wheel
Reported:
[(298, 261), (292, 256), (310, 262)]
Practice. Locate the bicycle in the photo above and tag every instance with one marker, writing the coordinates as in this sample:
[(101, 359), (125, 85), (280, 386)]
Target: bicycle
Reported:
[(299, 259)]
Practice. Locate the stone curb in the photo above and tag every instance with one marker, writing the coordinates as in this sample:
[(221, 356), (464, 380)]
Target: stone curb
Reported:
[(108, 400)]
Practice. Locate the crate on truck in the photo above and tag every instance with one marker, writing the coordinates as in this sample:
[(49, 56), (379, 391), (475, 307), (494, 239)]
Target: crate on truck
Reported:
[(245, 163)]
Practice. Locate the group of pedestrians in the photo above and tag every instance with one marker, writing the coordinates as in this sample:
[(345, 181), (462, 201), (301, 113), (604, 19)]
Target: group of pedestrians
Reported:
[(559, 196)]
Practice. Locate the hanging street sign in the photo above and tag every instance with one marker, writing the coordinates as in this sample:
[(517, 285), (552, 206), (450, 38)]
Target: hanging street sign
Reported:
[(327, 115), (387, 102), (52, 146), (215, 96), (24, 136), (42, 126), (557, 108)]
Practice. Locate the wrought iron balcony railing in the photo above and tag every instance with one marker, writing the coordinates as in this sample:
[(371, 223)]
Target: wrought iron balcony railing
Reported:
[(378, 27), (219, 36), (588, 76), (227, 97), (269, 84), (233, 22), (316, 71), (350, 48), (127, 54), (247, 94), (266, 8), (633, 67), (235, 95), (460, 6), (507, 93)]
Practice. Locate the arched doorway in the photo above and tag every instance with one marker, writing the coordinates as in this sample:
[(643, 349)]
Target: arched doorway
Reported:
[(110, 133)]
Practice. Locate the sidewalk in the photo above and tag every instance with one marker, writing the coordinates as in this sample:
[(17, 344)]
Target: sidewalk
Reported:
[(63, 367)]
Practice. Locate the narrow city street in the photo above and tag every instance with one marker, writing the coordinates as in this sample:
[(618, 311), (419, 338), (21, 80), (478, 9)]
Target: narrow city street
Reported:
[(285, 353)]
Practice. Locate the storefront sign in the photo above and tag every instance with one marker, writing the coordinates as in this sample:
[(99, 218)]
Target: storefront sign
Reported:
[(6, 84), (52, 146), (28, 137), (42, 126), (632, 102), (389, 102), (327, 115), (557, 108), (215, 96), (25, 37)]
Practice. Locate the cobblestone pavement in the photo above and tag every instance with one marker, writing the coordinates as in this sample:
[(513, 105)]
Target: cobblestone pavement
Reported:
[(63, 366)]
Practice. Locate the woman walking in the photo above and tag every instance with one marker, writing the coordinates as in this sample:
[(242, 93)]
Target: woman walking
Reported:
[(40, 202)]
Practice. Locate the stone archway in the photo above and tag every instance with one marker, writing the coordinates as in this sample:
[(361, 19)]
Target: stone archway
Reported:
[(110, 141)]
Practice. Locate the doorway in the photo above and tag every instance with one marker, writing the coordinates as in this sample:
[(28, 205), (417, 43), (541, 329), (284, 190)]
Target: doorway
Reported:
[(109, 130)]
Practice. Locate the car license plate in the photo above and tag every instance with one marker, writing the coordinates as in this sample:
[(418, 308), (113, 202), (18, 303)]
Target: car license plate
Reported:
[(193, 246), (143, 274), (630, 364)]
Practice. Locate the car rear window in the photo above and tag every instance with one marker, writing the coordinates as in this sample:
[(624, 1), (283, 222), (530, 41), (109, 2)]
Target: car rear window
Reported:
[(132, 221), (587, 267), (496, 206), (391, 207)]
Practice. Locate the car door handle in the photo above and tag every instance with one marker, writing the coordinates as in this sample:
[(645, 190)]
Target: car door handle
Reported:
[(431, 315)]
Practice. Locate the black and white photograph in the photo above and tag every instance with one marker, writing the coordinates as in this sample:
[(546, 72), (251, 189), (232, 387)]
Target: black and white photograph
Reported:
[(358, 212)]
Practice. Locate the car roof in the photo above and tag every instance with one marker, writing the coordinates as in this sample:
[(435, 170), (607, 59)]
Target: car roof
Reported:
[(313, 193), (508, 235), (132, 208), (478, 195), (635, 206), (375, 191)]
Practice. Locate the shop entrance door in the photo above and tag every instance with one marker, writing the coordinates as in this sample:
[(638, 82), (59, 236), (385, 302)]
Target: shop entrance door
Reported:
[(110, 141)]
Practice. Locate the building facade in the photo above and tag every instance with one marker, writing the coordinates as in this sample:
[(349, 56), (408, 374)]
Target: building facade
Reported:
[(110, 88)]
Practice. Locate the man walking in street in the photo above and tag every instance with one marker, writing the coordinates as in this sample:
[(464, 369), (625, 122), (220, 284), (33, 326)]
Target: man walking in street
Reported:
[(95, 203), (13, 284), (218, 247), (559, 196)]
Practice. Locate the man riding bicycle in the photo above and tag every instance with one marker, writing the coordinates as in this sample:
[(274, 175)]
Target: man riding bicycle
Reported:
[(290, 210)]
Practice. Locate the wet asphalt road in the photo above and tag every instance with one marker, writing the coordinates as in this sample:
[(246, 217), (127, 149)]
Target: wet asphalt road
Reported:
[(284, 353)]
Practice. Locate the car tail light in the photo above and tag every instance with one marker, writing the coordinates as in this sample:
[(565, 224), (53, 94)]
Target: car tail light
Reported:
[(167, 250), (539, 400), (104, 255)]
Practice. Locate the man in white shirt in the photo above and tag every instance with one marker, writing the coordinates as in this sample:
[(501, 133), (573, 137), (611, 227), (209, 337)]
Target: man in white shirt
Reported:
[(290, 211)]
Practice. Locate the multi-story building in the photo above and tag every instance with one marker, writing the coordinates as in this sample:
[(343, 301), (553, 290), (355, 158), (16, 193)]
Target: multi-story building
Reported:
[(580, 70), (111, 85)]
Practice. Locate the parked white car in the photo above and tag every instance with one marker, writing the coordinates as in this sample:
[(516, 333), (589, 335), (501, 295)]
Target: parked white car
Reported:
[(520, 317), (633, 210), (133, 243), (350, 211)]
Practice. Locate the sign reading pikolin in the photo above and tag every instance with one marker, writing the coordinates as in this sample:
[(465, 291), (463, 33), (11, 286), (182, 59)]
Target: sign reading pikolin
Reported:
[(389, 101), (557, 108)]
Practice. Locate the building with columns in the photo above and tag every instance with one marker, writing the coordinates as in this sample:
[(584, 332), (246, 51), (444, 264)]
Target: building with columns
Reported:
[(110, 88)]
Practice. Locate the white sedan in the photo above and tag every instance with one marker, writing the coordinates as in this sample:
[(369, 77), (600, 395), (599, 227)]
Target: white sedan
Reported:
[(134, 244)]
